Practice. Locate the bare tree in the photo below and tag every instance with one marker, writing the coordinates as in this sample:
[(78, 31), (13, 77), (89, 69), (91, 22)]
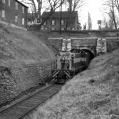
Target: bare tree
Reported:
[(74, 5), (107, 23), (34, 7), (116, 3), (111, 8), (51, 6), (40, 2)]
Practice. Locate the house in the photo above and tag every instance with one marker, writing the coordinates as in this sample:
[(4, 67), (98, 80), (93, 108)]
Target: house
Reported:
[(64, 20), (13, 12)]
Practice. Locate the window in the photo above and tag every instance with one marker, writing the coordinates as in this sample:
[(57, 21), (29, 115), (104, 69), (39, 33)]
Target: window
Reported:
[(62, 22), (52, 28), (3, 1), (73, 28), (46, 28), (68, 28), (53, 22), (9, 2), (62, 29), (16, 5), (45, 23), (22, 9), (22, 21), (16, 18), (3, 13)]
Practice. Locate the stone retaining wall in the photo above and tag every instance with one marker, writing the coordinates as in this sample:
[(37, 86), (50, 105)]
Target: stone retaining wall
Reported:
[(111, 37), (112, 43), (21, 79)]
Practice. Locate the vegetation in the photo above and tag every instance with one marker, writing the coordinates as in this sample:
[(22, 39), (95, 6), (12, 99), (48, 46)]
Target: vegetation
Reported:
[(92, 94), (21, 54), (21, 47), (36, 6), (111, 9)]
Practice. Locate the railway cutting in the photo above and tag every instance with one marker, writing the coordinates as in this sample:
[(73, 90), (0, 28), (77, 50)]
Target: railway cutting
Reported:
[(26, 106)]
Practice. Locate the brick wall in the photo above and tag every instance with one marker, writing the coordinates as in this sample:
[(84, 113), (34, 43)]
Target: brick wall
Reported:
[(56, 26), (11, 12), (111, 37)]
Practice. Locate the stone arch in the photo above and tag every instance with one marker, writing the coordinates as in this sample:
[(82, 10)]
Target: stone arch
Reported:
[(92, 55)]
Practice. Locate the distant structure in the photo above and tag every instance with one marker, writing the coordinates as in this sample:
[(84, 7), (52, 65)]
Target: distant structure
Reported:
[(99, 24), (32, 19), (84, 27), (66, 20), (14, 13), (89, 22)]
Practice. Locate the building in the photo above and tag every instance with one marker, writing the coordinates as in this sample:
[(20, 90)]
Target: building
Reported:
[(64, 20), (13, 12)]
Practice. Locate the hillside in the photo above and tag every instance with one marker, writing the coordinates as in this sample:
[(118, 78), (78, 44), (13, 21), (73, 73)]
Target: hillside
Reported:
[(44, 35), (21, 55), (22, 46), (92, 94)]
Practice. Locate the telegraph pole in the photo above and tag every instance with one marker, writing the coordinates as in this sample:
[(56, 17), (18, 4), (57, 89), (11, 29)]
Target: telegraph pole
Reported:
[(60, 17)]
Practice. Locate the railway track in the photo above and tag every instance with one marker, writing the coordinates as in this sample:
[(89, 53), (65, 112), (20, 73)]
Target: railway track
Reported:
[(26, 106)]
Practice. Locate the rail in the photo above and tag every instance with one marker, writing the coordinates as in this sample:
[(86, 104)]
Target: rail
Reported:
[(26, 106)]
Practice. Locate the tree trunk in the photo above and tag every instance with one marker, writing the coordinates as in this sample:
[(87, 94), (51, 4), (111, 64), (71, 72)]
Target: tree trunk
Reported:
[(39, 10)]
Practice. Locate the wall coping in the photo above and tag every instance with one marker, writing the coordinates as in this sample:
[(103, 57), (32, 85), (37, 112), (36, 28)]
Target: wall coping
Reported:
[(12, 25)]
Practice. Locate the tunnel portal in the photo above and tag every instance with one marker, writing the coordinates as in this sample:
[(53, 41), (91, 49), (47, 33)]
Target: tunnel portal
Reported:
[(92, 55)]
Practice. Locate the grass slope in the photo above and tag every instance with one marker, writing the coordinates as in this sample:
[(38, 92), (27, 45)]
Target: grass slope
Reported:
[(21, 55), (21, 46), (44, 35), (92, 94)]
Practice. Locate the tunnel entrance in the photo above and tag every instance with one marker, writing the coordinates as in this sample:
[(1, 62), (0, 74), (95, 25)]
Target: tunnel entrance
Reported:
[(91, 54)]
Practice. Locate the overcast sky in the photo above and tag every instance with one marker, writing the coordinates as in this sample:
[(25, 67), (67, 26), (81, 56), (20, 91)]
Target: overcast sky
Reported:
[(94, 8)]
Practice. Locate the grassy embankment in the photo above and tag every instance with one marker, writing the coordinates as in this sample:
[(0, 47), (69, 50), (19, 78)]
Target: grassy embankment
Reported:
[(92, 94), (21, 54), (22, 46)]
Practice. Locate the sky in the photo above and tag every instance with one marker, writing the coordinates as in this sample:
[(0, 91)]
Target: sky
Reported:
[(94, 8)]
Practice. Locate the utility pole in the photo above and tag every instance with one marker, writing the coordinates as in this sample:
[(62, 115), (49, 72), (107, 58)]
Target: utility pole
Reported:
[(60, 17)]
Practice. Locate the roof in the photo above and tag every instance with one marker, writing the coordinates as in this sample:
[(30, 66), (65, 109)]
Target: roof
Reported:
[(64, 14), (21, 3)]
